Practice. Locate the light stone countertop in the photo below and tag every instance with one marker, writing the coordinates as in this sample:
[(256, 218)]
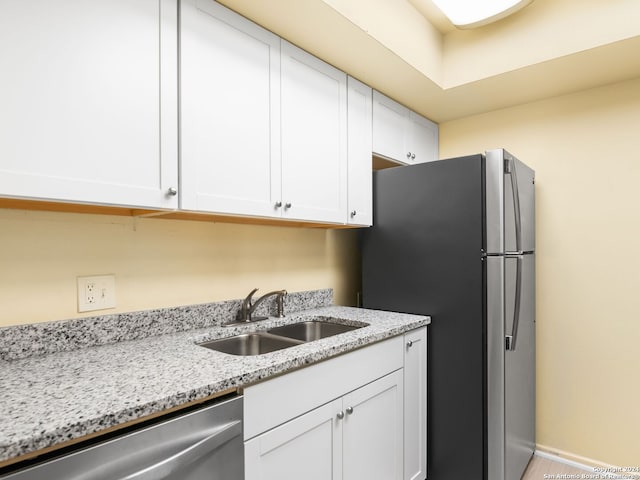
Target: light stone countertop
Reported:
[(49, 399)]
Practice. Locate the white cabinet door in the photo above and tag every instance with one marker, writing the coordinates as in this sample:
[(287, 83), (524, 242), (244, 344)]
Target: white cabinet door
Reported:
[(402, 135), (89, 101), (389, 128), (373, 430), (423, 139), (230, 112), (415, 405), (308, 447), (356, 437), (360, 179), (314, 138)]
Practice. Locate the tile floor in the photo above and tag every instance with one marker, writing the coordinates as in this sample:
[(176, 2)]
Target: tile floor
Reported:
[(544, 469)]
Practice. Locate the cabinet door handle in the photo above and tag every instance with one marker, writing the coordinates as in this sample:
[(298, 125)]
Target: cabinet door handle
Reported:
[(408, 154), (172, 192), (354, 213), (287, 205), (413, 156), (410, 344), (349, 410), (340, 415), (278, 204)]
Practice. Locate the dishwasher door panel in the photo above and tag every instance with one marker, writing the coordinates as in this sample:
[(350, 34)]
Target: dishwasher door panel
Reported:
[(205, 444)]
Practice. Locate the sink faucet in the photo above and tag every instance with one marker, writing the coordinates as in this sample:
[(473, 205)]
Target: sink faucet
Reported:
[(247, 308)]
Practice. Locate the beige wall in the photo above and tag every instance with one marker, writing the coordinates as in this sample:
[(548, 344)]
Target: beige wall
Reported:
[(585, 149), (401, 35), (161, 263), (538, 33)]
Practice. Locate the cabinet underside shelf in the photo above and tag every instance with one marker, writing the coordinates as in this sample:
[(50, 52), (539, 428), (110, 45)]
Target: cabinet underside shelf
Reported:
[(36, 205)]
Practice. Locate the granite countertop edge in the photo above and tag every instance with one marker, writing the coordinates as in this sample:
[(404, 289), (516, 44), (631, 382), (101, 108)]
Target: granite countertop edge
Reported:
[(68, 395)]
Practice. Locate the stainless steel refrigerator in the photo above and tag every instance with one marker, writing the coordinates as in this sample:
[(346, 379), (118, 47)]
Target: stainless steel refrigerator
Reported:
[(455, 239)]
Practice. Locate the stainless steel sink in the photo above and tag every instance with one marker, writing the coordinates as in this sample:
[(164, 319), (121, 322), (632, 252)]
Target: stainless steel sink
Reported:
[(312, 330), (278, 338), (251, 344)]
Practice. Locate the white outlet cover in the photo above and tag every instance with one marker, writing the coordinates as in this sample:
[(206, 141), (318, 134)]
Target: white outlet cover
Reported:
[(97, 292)]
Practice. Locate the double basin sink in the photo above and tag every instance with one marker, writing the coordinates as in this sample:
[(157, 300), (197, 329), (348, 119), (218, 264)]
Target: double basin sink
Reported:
[(277, 338)]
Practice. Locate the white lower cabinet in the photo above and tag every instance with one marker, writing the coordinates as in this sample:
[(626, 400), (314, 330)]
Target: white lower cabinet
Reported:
[(357, 436), (415, 405), (339, 419), (372, 442), (307, 447)]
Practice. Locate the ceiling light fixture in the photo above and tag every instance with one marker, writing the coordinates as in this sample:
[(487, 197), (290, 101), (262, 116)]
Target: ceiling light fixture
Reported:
[(474, 13)]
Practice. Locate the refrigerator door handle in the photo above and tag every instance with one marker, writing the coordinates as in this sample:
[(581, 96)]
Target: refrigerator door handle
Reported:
[(510, 169), (510, 340)]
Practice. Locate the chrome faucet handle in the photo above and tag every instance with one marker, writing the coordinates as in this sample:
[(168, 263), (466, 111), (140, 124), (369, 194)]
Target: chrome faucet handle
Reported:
[(280, 303), (248, 298), (245, 308)]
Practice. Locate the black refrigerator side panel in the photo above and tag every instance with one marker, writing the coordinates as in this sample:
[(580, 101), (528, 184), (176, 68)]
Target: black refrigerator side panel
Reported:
[(423, 255)]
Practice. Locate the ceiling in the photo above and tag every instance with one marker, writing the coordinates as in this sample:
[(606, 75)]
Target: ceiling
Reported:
[(408, 50), (433, 14)]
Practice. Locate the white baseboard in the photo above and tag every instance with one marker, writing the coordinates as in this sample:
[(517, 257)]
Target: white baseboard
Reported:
[(554, 457), (581, 463)]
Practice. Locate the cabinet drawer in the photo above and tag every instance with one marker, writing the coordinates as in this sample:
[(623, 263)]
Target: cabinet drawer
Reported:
[(280, 399)]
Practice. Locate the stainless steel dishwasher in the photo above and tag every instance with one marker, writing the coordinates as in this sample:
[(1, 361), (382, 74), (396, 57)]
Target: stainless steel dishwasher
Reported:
[(205, 443)]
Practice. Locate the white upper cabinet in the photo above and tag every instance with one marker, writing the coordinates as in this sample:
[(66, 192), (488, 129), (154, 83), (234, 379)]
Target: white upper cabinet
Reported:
[(100, 107), (89, 101), (422, 139), (390, 120), (230, 112), (360, 179), (263, 123), (314, 138), (402, 135)]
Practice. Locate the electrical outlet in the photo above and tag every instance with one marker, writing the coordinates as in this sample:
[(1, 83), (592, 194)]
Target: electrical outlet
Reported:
[(96, 293)]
